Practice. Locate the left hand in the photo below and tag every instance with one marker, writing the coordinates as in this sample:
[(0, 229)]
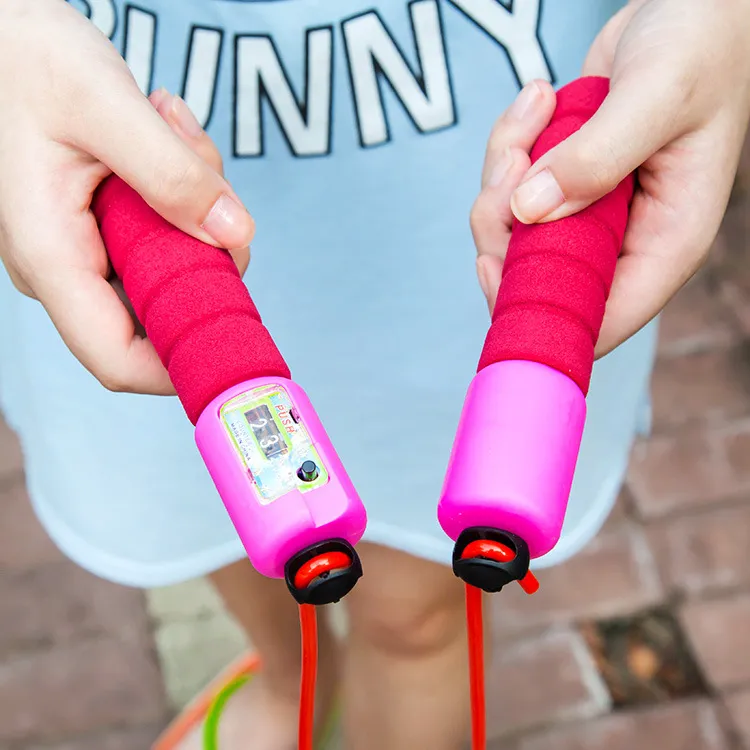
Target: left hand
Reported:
[(172, 110), (677, 111)]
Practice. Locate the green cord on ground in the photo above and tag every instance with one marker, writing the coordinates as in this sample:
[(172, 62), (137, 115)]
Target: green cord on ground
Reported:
[(213, 716), (211, 726)]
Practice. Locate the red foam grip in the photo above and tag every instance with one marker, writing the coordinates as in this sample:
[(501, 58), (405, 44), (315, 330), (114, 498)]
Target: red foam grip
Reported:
[(188, 296), (557, 276)]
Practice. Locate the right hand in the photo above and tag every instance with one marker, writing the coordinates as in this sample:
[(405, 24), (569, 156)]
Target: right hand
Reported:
[(677, 112), (71, 115)]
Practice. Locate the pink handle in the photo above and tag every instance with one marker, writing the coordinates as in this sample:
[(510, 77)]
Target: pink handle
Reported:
[(517, 443), (189, 297), (198, 313), (557, 276)]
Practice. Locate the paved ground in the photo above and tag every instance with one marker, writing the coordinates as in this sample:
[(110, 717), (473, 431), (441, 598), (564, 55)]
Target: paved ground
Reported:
[(78, 666), (643, 640)]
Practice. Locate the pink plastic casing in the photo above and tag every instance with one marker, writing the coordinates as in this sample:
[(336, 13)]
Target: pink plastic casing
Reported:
[(515, 413), (272, 534)]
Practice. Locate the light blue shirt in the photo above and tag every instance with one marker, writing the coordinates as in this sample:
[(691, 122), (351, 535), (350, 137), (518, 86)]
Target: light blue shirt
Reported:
[(355, 133)]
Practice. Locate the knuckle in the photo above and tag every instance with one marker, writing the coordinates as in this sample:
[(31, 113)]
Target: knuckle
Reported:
[(15, 275), (209, 152), (112, 380), (481, 215), (504, 131), (179, 184), (686, 87), (599, 166), (20, 284), (216, 161)]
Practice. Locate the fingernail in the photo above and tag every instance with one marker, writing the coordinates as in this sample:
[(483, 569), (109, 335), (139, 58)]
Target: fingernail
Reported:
[(525, 100), (157, 97), (537, 198), (229, 223), (501, 169), (185, 119), (164, 105)]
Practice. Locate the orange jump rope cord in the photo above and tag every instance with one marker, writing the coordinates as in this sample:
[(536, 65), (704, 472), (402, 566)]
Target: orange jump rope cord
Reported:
[(323, 564)]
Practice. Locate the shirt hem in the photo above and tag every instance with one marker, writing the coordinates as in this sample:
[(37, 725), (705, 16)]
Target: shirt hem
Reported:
[(428, 547)]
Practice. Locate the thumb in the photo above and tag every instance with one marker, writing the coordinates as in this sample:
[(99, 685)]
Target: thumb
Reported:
[(630, 126), (128, 136)]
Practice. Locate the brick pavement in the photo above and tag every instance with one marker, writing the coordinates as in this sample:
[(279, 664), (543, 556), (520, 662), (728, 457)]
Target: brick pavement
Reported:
[(679, 542), (78, 666)]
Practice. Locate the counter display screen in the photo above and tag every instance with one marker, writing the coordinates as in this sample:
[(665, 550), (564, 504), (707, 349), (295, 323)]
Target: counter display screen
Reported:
[(272, 442), (266, 431)]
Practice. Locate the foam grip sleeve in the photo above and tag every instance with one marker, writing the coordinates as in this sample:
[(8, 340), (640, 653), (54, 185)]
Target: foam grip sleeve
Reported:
[(557, 276), (188, 296)]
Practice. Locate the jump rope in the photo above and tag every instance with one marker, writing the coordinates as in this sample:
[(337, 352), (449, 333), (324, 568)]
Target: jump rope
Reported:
[(291, 501)]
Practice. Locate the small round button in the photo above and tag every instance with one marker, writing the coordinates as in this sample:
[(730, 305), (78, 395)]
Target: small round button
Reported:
[(308, 472)]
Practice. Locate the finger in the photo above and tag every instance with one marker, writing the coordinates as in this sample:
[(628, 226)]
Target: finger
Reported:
[(628, 128), (492, 220), (491, 217), (505, 164), (86, 310), (100, 333), (491, 224), (128, 135), (156, 97), (183, 122), (138, 328), (518, 127), (490, 274)]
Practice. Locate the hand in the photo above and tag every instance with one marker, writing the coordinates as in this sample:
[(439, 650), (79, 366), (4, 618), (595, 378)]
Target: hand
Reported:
[(174, 112), (677, 111), (72, 114)]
